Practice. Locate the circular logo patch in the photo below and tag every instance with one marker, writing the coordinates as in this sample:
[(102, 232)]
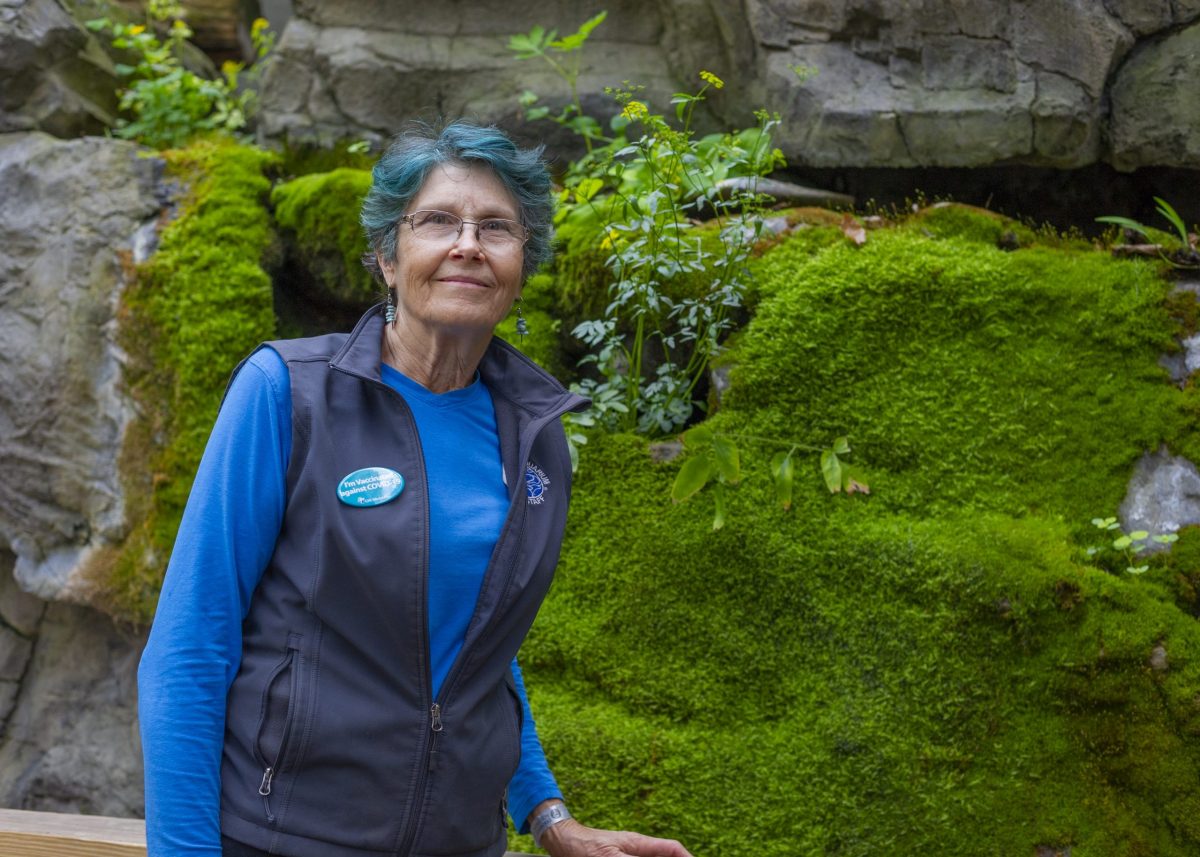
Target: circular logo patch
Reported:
[(536, 484)]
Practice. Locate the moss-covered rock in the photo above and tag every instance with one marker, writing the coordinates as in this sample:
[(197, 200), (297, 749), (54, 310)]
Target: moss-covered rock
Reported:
[(317, 216), (201, 303), (966, 376), (933, 668)]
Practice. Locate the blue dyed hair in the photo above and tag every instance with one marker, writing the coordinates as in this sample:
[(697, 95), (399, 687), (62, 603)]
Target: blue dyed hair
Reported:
[(403, 168)]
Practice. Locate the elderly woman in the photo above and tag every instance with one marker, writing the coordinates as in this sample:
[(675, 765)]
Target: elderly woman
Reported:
[(332, 670)]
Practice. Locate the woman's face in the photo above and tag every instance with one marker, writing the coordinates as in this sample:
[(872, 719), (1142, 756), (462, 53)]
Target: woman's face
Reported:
[(456, 285)]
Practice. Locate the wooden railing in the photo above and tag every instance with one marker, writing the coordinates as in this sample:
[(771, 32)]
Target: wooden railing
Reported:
[(58, 834)]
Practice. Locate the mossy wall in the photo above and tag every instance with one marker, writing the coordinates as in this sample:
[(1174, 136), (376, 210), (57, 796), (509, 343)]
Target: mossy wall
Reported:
[(929, 669), (201, 302), (932, 668)]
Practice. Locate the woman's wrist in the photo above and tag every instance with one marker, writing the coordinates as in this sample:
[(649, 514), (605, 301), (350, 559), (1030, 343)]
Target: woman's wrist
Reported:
[(545, 816)]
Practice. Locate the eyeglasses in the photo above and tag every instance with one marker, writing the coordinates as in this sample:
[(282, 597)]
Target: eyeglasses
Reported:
[(494, 233)]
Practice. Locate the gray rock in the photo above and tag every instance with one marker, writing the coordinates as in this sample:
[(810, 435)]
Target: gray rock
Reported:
[(18, 611), (1075, 38), (1155, 114), (898, 83), (71, 742), (1143, 17), (719, 379), (1181, 364), (361, 68), (69, 210), (1158, 658), (14, 654), (787, 193), (54, 76), (665, 450), (1163, 495)]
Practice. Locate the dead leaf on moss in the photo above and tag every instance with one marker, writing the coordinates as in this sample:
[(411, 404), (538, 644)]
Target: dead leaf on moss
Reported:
[(853, 486), (853, 230)]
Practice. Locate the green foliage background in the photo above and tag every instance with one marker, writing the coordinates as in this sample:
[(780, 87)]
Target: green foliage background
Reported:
[(928, 669)]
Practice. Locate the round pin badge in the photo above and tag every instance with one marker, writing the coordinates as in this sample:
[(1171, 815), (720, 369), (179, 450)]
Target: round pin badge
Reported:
[(370, 486)]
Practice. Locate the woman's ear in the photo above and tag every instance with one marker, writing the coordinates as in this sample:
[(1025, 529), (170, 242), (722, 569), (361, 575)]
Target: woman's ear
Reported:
[(386, 268)]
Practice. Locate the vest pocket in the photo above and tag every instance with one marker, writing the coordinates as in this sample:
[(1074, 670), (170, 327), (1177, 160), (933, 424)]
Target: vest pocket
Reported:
[(280, 705), (517, 708)]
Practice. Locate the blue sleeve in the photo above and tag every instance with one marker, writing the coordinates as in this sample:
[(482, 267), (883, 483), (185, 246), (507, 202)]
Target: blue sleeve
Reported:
[(533, 782), (225, 540)]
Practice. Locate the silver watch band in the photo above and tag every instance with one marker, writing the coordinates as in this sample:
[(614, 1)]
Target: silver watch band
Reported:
[(546, 819)]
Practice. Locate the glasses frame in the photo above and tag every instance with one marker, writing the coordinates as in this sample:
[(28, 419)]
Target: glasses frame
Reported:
[(462, 221)]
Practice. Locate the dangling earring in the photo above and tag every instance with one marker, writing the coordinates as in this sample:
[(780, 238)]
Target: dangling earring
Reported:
[(522, 325), (389, 314)]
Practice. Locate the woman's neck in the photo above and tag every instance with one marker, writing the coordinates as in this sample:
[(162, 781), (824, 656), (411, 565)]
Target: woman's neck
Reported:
[(438, 361)]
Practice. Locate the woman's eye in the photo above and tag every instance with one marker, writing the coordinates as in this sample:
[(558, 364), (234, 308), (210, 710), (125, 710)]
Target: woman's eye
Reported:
[(493, 226), (438, 218)]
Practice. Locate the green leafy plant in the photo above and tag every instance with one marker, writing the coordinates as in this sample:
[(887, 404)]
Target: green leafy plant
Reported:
[(676, 284), (562, 54), (716, 460), (675, 287), (1125, 545), (169, 104), (1183, 256)]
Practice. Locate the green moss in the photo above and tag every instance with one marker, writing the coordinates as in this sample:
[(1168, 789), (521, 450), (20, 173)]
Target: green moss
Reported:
[(870, 682), (965, 377), (318, 215), (299, 158), (931, 668), (200, 304), (947, 219)]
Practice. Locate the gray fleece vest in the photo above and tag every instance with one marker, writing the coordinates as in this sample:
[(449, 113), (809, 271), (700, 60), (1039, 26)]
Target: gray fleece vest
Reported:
[(334, 744)]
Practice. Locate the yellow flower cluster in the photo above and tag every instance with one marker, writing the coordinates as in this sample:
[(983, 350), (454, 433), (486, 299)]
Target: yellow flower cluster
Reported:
[(709, 77), (635, 110)]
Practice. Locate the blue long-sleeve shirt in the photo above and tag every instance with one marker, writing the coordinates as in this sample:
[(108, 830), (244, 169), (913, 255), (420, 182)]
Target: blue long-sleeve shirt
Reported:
[(225, 541)]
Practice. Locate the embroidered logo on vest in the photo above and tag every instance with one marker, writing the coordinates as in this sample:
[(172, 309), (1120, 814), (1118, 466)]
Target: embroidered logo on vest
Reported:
[(537, 483)]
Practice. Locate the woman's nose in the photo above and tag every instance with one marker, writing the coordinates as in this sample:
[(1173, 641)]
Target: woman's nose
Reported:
[(467, 241)]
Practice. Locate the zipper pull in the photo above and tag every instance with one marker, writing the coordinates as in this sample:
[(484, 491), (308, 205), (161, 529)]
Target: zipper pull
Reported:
[(436, 713), (265, 788)]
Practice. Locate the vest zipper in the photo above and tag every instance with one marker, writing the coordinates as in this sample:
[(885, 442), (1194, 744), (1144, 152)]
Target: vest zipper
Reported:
[(535, 429), (412, 827)]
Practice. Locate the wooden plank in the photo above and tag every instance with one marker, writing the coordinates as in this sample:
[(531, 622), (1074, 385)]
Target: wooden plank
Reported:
[(59, 834)]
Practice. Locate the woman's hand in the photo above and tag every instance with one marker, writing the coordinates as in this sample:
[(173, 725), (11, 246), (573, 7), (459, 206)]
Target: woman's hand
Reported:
[(571, 839)]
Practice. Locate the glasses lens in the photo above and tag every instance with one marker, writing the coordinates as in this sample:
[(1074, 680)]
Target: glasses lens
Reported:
[(435, 224), (498, 232)]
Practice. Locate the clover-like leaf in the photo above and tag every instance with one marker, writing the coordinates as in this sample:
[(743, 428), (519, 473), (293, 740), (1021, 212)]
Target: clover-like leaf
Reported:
[(698, 437), (696, 472), (784, 470), (831, 469), (719, 506), (728, 461)]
